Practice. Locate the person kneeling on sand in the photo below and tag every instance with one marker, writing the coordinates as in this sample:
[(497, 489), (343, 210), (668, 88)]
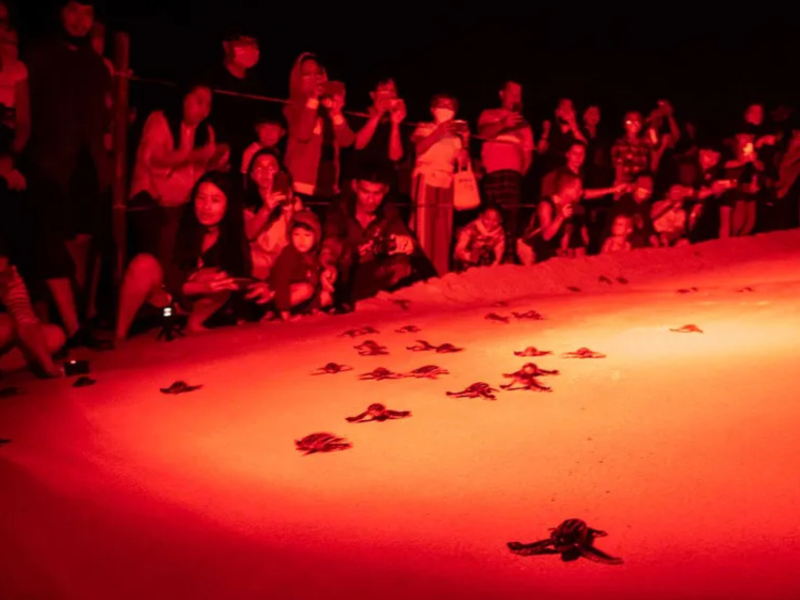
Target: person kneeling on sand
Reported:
[(366, 244)]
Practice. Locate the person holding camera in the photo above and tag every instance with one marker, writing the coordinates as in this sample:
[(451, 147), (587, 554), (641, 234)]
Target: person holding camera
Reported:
[(366, 245), (559, 227), (482, 242), (317, 130), (270, 206), (380, 139)]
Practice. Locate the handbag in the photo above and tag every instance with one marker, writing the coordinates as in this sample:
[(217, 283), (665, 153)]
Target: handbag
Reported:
[(466, 195)]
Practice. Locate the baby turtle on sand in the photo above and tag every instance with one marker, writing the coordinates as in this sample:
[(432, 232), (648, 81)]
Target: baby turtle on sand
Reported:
[(572, 288), (572, 539), (496, 317), (691, 328), (476, 390), (583, 353), (4, 441), (688, 290), (622, 280), (746, 289), (531, 314), (500, 304), (378, 412), (408, 329), (332, 369), (428, 372), (380, 374), (321, 442), (525, 379), (604, 279), (423, 346), (180, 387), (354, 333), (371, 348), (532, 351)]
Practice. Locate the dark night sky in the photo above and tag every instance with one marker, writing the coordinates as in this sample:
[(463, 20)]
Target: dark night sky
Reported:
[(709, 60)]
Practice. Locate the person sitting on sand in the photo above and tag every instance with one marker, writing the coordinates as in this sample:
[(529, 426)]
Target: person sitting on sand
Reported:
[(209, 261), (481, 243), (620, 238)]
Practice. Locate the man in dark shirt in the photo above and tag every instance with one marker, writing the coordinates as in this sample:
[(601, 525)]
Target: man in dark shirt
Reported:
[(367, 244), (233, 117), (69, 168)]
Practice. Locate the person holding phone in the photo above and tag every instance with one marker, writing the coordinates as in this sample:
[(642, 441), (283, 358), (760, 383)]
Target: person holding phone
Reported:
[(507, 155), (738, 207), (270, 205), (208, 261), (317, 131)]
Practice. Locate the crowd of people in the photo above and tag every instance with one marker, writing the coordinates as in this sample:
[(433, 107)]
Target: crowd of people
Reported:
[(241, 211)]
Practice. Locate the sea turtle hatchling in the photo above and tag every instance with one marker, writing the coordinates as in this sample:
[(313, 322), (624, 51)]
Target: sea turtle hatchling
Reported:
[(423, 346), (476, 390), (4, 441), (380, 374), (321, 442), (402, 303), (497, 318), (180, 387), (604, 279), (531, 315), (574, 289), (690, 290), (691, 328), (378, 412), (332, 368), (583, 353), (525, 379), (572, 539), (371, 348), (408, 329), (354, 333), (428, 372), (531, 351)]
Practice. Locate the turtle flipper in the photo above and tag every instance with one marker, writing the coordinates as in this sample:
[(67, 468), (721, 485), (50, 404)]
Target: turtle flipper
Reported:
[(597, 532), (599, 556), (540, 547), (398, 414), (357, 418)]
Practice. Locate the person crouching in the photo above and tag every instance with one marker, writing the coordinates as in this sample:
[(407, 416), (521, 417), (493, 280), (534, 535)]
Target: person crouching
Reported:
[(296, 276)]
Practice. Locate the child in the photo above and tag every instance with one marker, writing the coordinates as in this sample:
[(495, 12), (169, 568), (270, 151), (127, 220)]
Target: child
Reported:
[(619, 239), (296, 275), (269, 131), (669, 217), (482, 242)]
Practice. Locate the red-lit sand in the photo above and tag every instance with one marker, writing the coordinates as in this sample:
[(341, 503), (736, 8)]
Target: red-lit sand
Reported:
[(683, 447)]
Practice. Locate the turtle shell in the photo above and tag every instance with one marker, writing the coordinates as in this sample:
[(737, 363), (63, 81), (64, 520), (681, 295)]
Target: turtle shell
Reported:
[(570, 533), (376, 409), (316, 440)]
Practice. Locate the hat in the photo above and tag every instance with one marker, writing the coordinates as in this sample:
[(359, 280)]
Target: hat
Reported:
[(307, 219)]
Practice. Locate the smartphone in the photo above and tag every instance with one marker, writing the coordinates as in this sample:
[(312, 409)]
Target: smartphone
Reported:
[(76, 367), (281, 184), (653, 136)]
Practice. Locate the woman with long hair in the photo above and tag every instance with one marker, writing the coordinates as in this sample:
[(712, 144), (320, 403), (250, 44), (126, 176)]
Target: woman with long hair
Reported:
[(209, 255)]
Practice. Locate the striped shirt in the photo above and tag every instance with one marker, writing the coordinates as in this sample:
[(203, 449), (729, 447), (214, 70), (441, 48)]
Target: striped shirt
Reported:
[(14, 295)]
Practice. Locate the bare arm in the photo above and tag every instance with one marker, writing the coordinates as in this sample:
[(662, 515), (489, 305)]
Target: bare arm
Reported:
[(549, 224), (342, 132), (423, 143), (395, 143), (364, 135)]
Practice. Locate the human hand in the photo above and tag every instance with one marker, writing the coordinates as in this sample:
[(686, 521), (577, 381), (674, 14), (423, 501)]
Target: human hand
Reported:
[(335, 105), (221, 282), (403, 244), (398, 111), (204, 154), (364, 250), (512, 120), (568, 210), (16, 181), (260, 293), (327, 279)]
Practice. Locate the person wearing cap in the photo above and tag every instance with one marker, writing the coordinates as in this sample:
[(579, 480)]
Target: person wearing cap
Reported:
[(70, 170), (234, 116)]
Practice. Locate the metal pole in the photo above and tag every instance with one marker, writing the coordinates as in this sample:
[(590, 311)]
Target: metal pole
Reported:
[(122, 47)]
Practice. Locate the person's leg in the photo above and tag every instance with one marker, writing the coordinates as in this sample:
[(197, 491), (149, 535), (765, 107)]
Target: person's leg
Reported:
[(12, 358), (204, 308), (749, 216), (143, 277)]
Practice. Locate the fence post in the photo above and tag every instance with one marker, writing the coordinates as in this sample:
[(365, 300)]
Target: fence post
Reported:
[(122, 48)]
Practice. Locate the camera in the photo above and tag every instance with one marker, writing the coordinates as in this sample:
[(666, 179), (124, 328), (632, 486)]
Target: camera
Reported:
[(383, 245), (486, 256)]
